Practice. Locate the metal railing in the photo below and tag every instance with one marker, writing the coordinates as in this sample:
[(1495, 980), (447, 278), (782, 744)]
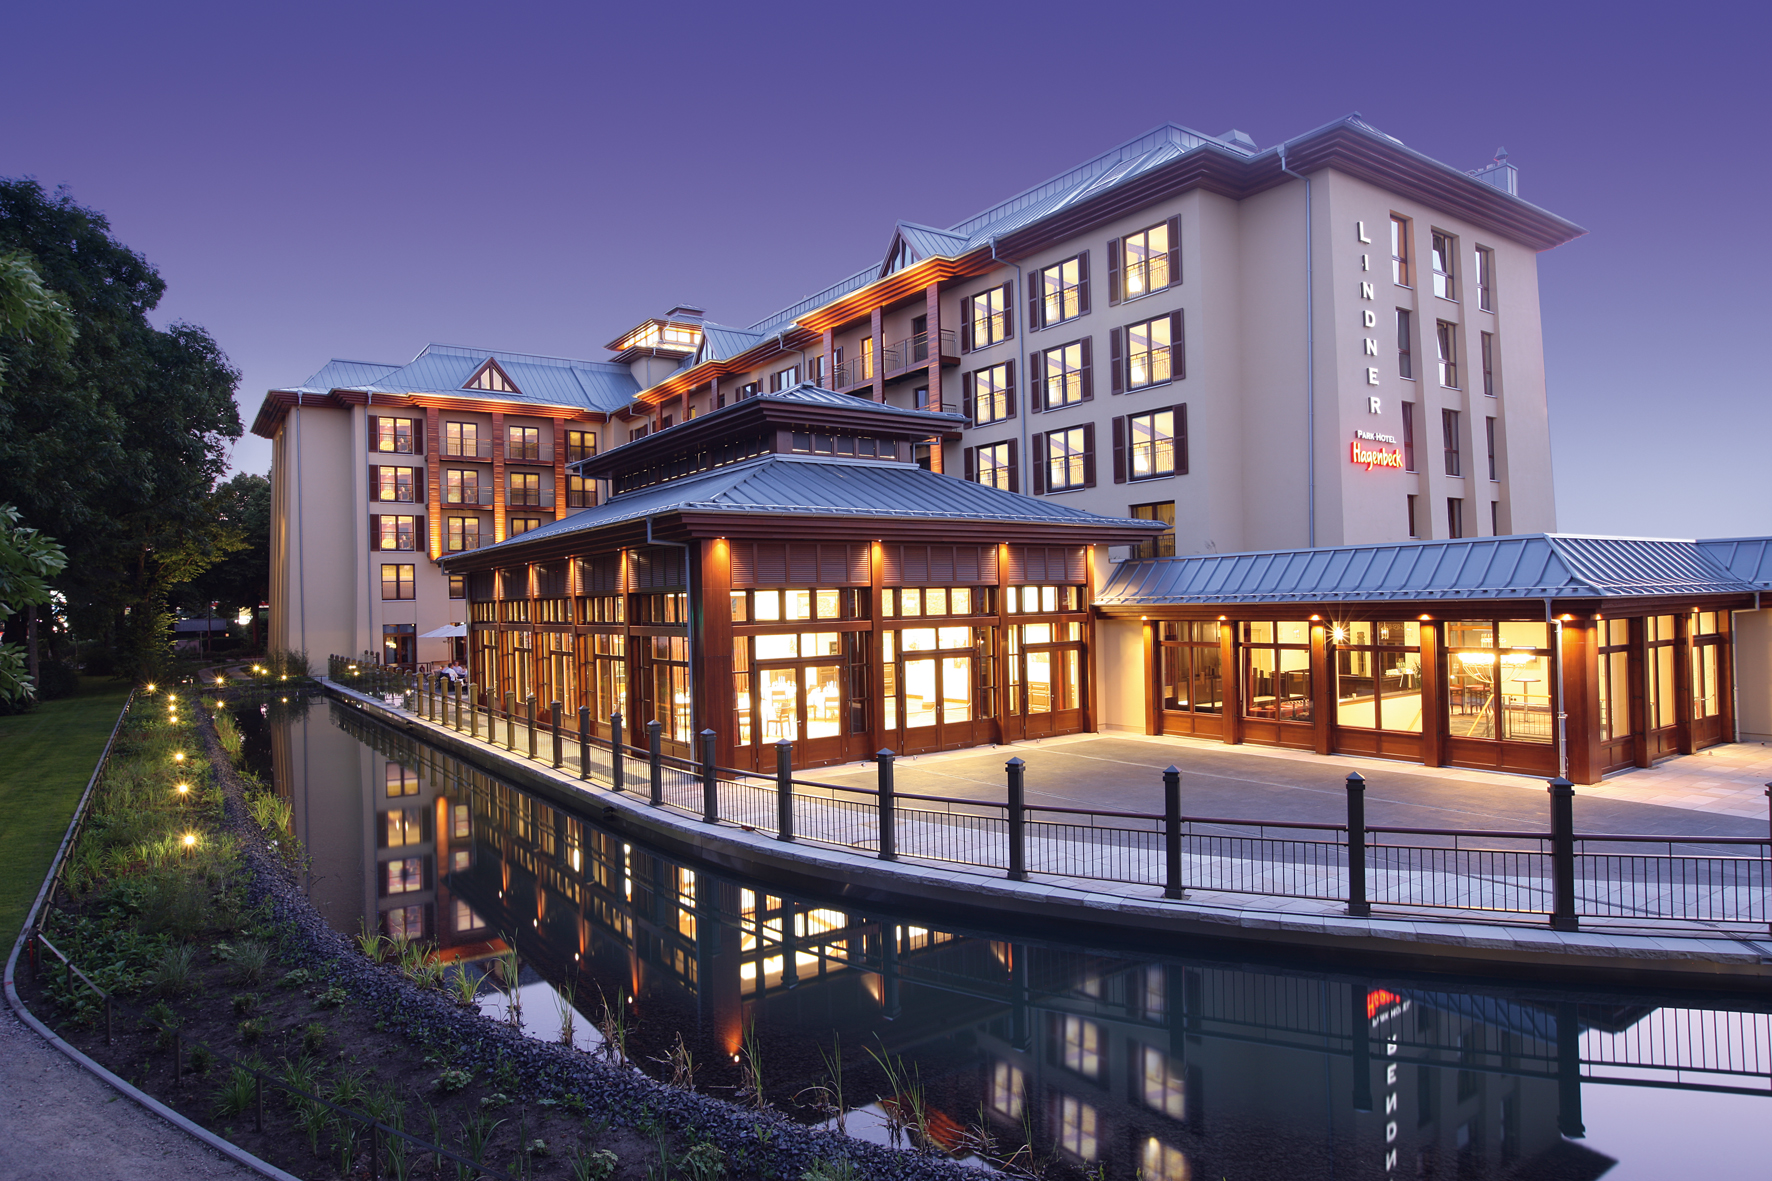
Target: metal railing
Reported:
[(530, 452), (914, 350), (467, 496), (477, 450), (530, 498), (853, 372), (1559, 875)]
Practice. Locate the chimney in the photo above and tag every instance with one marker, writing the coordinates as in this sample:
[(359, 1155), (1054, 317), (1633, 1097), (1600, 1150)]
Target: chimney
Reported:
[(687, 313), (1499, 174)]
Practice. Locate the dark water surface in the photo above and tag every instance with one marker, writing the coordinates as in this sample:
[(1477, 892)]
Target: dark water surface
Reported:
[(1158, 1062)]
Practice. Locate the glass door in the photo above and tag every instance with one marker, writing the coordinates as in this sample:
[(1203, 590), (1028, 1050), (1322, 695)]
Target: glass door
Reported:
[(930, 696)]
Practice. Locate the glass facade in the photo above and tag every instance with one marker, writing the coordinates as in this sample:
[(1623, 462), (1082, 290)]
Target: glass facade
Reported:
[(1378, 675), (1277, 671), (1498, 681)]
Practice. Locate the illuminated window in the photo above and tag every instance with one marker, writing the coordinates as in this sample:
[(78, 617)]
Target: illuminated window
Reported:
[(1152, 352), (1151, 443), (1498, 680), (1146, 262), (1081, 1040), (985, 319), (1061, 375), (1445, 248), (1162, 545), (1277, 670), (394, 483), (524, 442), (458, 586), (403, 876), (990, 394), (403, 826), (393, 434), (461, 533), (525, 489), (1008, 1088), (580, 445), (1069, 460), (396, 533), (1162, 1086), (1400, 251), (460, 485), (465, 918), (461, 438), (522, 525), (1163, 1162), (1076, 1122), (401, 781), (404, 922), (581, 492), (993, 465), (397, 580), (492, 379), (1061, 292), (654, 335)]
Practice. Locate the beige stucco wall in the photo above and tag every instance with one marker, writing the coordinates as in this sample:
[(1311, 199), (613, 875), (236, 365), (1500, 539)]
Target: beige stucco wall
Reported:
[(1753, 675)]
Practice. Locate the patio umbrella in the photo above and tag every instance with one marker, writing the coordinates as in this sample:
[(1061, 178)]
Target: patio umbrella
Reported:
[(447, 631)]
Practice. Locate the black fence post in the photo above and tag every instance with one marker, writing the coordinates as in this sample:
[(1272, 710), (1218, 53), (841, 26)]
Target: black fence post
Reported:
[(615, 774), (1361, 1027), (1356, 846), (1562, 794), (584, 742), (1018, 854), (784, 790), (554, 708), (1569, 1121), (1769, 820), (529, 704), (655, 759), (511, 722), (710, 781), (455, 692), (1172, 887), (888, 837)]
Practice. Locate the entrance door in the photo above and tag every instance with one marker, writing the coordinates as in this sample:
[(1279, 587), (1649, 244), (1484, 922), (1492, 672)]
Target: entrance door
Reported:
[(805, 706), (1661, 731), (930, 693), (1045, 680)]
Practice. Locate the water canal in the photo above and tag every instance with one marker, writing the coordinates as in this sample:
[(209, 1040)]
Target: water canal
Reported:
[(1153, 1062)]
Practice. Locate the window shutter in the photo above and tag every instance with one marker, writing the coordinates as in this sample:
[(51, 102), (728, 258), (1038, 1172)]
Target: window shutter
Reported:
[(1119, 380), (1088, 381), (418, 436), (968, 385), (1175, 252), (1119, 450), (1036, 400), (1036, 459), (374, 430), (1181, 439), (374, 483), (418, 486), (1088, 455), (1083, 283), (421, 538), (965, 327), (1114, 295), (1014, 471), (375, 531), (971, 462), (1035, 283), (1009, 383), (1008, 310), (1177, 346)]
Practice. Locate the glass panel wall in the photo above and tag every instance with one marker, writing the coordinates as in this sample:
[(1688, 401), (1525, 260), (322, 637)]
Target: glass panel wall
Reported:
[(1190, 665), (1658, 672), (1707, 639), (1498, 681), (1378, 675), (1277, 670), (1613, 639)]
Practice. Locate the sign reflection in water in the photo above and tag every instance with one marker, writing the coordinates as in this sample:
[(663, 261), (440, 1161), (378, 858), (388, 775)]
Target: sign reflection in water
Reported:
[(1161, 1066)]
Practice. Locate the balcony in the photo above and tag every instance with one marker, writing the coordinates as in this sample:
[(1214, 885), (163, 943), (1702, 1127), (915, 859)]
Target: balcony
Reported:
[(851, 373), (530, 498), (467, 496), (530, 452), (913, 352), (458, 545), (467, 450)]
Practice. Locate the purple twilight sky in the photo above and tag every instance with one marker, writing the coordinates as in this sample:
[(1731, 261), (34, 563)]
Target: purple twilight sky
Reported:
[(356, 180)]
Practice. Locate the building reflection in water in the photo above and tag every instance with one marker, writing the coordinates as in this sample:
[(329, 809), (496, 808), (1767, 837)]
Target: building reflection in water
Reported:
[(1161, 1067)]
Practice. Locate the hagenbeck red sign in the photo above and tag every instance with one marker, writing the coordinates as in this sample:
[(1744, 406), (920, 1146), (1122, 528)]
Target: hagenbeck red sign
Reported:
[(1371, 455)]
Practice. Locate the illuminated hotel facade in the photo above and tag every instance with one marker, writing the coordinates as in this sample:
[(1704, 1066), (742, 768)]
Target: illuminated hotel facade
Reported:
[(1332, 342)]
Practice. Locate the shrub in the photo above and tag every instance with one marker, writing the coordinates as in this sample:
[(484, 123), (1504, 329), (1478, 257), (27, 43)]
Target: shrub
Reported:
[(252, 1029), (171, 974), (202, 1059), (331, 998), (453, 1080), (237, 1095), (313, 1038)]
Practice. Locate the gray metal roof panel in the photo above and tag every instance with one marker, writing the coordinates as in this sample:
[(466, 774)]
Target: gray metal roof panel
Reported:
[(553, 381), (1531, 566), (340, 374), (718, 342)]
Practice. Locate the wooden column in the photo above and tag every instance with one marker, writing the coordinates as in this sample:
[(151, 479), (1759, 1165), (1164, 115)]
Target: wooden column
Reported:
[(1581, 699), (1322, 687), (1433, 713), (1639, 693), (498, 475), (559, 468), (1683, 682), (1233, 682), (711, 650), (1089, 700), (1008, 722), (828, 342), (876, 330), (1153, 707), (882, 737), (937, 401), (433, 493)]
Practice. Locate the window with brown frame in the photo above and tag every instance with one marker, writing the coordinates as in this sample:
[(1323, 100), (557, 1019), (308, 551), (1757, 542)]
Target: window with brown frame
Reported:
[(397, 580), (580, 445), (1059, 292), (1277, 668), (402, 436), (402, 485), (525, 489), (581, 492), (461, 486), (985, 319), (1066, 459), (1143, 262), (461, 533), (1190, 664), (394, 533), (522, 525), (523, 442), (458, 586), (1148, 353), (1150, 445), (462, 438), (1163, 544), (1062, 376), (988, 395), (993, 465)]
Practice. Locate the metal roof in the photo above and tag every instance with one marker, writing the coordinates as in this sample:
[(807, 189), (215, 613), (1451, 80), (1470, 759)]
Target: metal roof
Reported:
[(1747, 558), (719, 342), (1530, 566), (820, 487), (338, 374), (552, 381)]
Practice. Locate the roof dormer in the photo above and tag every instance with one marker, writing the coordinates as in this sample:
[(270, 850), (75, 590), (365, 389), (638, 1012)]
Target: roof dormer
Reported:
[(492, 379)]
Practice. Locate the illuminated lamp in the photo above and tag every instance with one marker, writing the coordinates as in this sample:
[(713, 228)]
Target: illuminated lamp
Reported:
[(190, 839), (1339, 632), (184, 789), (178, 756)]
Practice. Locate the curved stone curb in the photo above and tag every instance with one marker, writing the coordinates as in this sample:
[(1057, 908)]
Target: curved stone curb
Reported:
[(16, 1003)]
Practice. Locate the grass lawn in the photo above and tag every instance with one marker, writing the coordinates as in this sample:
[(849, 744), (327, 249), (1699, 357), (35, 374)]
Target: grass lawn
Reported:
[(46, 757)]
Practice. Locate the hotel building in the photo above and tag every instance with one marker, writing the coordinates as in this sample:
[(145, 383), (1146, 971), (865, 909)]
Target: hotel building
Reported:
[(1008, 430)]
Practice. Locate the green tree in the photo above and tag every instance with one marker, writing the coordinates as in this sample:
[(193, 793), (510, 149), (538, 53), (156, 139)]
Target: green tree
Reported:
[(242, 580), (112, 441), (28, 560)]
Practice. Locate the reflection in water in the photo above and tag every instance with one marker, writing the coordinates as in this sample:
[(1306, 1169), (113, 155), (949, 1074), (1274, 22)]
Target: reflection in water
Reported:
[(1160, 1066)]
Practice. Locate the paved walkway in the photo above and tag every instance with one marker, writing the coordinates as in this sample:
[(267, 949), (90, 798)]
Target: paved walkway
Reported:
[(1719, 792), (60, 1122)]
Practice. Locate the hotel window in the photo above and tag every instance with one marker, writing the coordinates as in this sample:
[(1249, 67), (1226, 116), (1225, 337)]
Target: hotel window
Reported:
[(989, 394), (1076, 1126), (1008, 1090), (1405, 337), (1449, 435), (1413, 532), (1190, 664), (404, 922), (1150, 445), (1613, 638), (581, 492), (525, 489), (1498, 680), (1059, 292), (1378, 675), (867, 362), (522, 442), (1445, 338), (461, 486), (1164, 1088), (1148, 354), (1080, 1040), (402, 827), (461, 438), (1277, 668), (399, 435), (1163, 1162), (1445, 248), (818, 373), (522, 525), (458, 586), (397, 580), (460, 822), (1489, 435), (465, 918), (1486, 278), (1658, 672), (1409, 438), (396, 484), (1062, 376), (1488, 342), (785, 379), (1495, 518), (403, 876), (461, 533), (400, 781), (580, 445), (1400, 251), (993, 465), (1064, 459), (1454, 516), (394, 533), (1707, 640), (1147, 261), (1163, 544), (985, 319)]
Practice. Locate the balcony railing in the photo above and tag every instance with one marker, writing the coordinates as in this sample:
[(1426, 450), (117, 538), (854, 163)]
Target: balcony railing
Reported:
[(853, 372), (467, 450), (467, 543), (914, 351), (467, 496), (530, 452), (530, 498)]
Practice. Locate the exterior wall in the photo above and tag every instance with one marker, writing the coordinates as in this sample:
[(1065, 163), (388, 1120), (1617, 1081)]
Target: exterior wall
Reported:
[(1753, 675), (315, 478)]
